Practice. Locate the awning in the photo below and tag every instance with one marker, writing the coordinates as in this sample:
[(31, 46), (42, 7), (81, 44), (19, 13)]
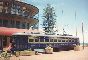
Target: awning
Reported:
[(9, 31)]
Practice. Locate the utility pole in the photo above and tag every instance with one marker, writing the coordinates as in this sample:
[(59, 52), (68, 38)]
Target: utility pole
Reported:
[(75, 24), (76, 31), (83, 35)]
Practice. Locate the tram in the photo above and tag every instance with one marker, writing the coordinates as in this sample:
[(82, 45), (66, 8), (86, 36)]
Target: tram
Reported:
[(24, 41)]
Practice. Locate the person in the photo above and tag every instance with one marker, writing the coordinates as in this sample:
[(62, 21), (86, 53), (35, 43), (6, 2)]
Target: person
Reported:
[(9, 48)]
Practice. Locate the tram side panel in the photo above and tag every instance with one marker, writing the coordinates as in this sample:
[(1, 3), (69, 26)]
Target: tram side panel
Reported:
[(37, 42), (27, 42)]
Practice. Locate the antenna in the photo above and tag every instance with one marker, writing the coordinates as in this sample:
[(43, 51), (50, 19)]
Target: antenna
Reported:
[(63, 31)]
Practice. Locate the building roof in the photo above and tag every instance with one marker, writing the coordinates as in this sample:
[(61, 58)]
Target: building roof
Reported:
[(53, 36)]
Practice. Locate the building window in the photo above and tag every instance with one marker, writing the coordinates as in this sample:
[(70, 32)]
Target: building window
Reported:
[(1, 8), (12, 23), (23, 25), (17, 24), (13, 11), (26, 14), (1, 3), (5, 23), (6, 3), (28, 26), (20, 12), (0, 22), (6, 9)]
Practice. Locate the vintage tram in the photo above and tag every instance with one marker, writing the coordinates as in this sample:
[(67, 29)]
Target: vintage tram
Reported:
[(24, 41)]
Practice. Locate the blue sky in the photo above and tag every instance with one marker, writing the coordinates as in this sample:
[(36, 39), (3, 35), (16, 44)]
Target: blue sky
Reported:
[(67, 19)]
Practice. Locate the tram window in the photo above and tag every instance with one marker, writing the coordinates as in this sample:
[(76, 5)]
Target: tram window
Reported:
[(55, 40), (31, 40), (51, 40), (63, 37), (63, 40), (5, 23), (76, 39), (59, 40), (36, 40), (69, 40), (66, 40), (41, 40), (41, 37), (46, 40), (72, 40)]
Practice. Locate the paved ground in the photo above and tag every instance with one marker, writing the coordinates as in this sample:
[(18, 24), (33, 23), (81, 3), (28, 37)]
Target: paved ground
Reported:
[(62, 55)]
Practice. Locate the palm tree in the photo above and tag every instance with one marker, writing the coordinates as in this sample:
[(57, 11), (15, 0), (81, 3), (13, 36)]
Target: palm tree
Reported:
[(49, 19)]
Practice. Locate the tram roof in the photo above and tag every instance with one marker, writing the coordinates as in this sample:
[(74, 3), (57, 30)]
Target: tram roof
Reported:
[(70, 36)]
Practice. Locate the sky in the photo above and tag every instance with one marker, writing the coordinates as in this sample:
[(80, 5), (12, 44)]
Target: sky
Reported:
[(66, 19)]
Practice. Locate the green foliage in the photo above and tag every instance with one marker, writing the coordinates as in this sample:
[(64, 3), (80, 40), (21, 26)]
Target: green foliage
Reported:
[(49, 19)]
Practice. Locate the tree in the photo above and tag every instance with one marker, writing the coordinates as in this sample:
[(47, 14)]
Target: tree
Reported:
[(49, 19)]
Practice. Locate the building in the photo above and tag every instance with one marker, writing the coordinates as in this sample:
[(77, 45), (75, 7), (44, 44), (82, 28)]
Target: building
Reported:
[(15, 16)]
